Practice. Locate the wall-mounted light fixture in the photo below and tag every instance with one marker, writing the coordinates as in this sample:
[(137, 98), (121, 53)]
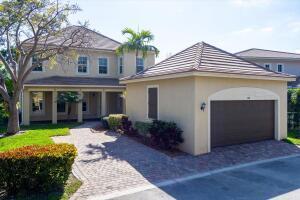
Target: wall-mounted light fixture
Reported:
[(203, 104)]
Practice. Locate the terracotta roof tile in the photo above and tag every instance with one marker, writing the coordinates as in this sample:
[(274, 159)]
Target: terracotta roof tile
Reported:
[(202, 57)]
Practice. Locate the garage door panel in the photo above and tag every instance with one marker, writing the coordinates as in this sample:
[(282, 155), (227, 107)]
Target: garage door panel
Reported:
[(235, 122)]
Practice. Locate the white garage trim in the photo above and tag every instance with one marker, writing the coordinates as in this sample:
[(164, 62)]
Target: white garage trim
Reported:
[(245, 93)]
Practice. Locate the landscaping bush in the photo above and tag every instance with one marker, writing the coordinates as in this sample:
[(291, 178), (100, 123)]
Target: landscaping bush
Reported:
[(36, 168), (115, 121), (165, 135), (142, 127), (126, 127)]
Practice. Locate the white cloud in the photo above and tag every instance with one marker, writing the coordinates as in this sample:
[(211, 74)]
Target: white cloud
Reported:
[(251, 3), (249, 30), (266, 29), (294, 26)]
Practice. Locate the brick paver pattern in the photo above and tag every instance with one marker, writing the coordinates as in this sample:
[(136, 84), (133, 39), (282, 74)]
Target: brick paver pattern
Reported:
[(108, 162)]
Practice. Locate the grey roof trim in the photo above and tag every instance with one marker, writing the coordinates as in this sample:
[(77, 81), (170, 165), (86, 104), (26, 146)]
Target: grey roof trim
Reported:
[(75, 81), (289, 55)]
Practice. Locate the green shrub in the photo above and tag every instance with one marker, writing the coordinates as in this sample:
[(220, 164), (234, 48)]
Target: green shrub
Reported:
[(115, 121), (36, 168), (142, 127), (165, 135)]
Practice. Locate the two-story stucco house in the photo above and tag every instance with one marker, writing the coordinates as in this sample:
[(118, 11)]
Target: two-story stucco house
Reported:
[(278, 61), (94, 73)]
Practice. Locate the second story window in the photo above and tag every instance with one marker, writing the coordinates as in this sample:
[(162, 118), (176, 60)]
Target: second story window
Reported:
[(139, 65), (121, 65), (38, 65), (103, 65), (280, 67), (82, 66), (268, 66)]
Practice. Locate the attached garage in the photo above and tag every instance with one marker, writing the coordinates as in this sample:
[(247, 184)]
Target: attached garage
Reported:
[(237, 122), (217, 98)]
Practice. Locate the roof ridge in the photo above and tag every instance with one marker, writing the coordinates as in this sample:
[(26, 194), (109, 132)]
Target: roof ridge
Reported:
[(161, 61), (198, 55), (268, 50), (238, 57)]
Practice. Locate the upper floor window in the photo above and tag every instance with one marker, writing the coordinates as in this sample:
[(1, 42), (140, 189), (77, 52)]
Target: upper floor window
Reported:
[(38, 65), (139, 65), (280, 67), (121, 65), (82, 65), (103, 66), (268, 66)]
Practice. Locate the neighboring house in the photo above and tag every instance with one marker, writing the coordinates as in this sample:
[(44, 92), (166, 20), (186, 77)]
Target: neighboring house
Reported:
[(216, 97), (94, 73), (278, 61)]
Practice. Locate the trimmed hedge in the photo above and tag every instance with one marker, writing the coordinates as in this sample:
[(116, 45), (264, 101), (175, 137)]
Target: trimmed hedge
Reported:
[(142, 127), (36, 168), (115, 121)]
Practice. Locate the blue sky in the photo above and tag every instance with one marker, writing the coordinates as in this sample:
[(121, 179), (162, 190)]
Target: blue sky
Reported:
[(232, 25)]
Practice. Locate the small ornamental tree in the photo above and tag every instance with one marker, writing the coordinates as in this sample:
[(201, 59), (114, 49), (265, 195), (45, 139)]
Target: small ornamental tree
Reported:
[(69, 98), (28, 28)]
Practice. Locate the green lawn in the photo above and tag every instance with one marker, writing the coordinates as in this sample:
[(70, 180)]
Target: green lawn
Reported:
[(293, 138), (39, 134)]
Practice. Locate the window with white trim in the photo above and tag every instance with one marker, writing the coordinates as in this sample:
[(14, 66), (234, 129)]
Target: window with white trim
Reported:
[(152, 102), (139, 65), (82, 65), (280, 67), (268, 66), (121, 65), (103, 65), (37, 102), (38, 65)]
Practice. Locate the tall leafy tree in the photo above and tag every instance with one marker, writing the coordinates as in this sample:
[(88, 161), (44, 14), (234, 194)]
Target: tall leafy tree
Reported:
[(138, 42), (33, 28)]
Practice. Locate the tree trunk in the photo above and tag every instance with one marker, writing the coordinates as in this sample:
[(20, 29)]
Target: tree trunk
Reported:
[(13, 126)]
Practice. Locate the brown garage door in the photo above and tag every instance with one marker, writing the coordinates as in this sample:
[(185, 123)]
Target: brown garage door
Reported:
[(236, 122)]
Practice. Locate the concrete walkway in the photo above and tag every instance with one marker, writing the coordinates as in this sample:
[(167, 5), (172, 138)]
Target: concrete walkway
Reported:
[(109, 163)]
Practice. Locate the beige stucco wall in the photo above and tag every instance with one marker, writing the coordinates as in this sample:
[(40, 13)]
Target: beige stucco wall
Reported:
[(69, 68), (180, 100), (176, 103)]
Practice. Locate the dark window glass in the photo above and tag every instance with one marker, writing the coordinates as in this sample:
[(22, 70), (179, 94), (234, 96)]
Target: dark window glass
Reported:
[(61, 107), (139, 65), (82, 64), (103, 65), (38, 65), (152, 103)]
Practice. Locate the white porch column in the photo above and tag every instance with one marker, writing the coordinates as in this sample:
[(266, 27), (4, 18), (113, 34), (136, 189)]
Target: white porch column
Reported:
[(79, 107), (26, 107), (99, 104), (103, 103), (54, 107)]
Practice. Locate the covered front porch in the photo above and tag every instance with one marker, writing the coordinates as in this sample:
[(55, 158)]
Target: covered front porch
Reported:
[(39, 104)]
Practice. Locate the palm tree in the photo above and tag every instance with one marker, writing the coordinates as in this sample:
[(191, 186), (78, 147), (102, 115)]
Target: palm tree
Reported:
[(137, 42)]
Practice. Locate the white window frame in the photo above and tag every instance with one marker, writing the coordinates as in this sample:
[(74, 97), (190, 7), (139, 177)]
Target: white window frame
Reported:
[(40, 112), (270, 66), (282, 67), (107, 65), (66, 109), (43, 68), (119, 66), (87, 66), (147, 91), (137, 65)]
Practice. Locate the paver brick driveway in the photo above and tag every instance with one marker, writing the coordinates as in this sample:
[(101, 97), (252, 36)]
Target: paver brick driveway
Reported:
[(109, 163)]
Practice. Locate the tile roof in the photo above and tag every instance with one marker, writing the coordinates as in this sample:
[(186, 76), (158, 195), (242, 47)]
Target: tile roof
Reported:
[(95, 40), (80, 81), (263, 53), (202, 57)]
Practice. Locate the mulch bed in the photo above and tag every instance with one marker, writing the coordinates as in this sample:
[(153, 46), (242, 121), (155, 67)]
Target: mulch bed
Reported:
[(145, 141)]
